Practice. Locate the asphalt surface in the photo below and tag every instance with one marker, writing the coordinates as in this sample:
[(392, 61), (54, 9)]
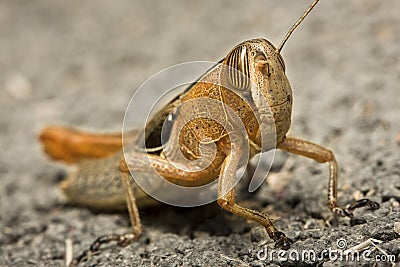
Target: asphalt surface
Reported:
[(78, 63)]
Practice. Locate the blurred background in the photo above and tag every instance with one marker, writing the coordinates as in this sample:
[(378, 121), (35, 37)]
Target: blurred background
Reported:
[(78, 63)]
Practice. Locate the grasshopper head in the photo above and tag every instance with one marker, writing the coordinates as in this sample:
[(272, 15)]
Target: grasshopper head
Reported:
[(256, 70)]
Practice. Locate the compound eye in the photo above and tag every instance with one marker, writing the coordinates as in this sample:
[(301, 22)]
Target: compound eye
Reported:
[(238, 71)]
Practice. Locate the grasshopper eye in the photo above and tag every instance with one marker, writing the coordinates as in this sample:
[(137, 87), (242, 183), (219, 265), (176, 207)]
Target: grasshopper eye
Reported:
[(238, 71)]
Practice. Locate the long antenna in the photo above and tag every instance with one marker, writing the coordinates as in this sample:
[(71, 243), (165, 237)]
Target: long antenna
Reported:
[(296, 24)]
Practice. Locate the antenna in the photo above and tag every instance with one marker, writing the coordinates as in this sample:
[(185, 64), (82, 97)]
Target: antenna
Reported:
[(296, 24)]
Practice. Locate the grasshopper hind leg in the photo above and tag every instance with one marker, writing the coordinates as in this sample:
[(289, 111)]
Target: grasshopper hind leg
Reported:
[(73, 146), (121, 239)]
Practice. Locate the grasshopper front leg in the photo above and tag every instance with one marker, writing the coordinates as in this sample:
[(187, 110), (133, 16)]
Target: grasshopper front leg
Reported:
[(226, 198), (323, 155), (143, 162)]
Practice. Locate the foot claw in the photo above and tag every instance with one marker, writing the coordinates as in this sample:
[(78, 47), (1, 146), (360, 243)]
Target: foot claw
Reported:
[(281, 240), (343, 212), (362, 203), (126, 239), (122, 240), (374, 205), (348, 210)]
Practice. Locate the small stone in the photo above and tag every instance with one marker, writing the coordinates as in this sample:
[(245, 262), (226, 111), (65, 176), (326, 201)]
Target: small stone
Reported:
[(357, 195), (18, 86), (397, 227), (370, 193)]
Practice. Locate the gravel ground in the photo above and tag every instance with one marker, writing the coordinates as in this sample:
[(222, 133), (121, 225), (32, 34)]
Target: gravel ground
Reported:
[(78, 63)]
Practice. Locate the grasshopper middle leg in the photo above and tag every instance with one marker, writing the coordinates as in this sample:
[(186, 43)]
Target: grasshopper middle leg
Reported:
[(323, 155)]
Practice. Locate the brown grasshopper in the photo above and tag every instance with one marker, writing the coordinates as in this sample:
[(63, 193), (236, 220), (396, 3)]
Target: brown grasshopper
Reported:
[(103, 183)]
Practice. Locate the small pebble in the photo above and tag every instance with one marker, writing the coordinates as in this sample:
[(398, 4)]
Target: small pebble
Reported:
[(397, 227), (371, 192), (18, 86), (357, 195)]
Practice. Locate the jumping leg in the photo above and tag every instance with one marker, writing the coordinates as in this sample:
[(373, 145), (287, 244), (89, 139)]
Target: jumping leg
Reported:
[(71, 146)]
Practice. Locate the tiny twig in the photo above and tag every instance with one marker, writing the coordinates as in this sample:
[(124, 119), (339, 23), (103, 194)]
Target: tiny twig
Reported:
[(233, 259), (68, 252), (367, 243)]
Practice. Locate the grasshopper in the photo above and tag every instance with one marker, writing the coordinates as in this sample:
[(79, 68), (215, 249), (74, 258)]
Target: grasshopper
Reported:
[(103, 179)]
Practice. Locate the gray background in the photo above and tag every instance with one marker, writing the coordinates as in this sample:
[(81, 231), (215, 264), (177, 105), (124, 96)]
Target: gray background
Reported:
[(78, 63)]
